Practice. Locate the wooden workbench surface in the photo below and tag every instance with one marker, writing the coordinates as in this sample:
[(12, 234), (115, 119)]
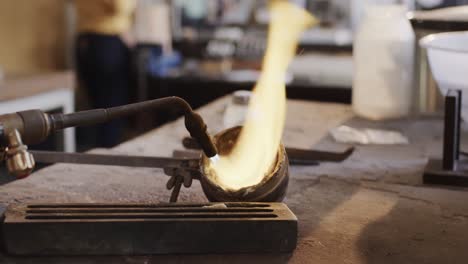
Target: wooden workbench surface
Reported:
[(371, 208), (14, 87)]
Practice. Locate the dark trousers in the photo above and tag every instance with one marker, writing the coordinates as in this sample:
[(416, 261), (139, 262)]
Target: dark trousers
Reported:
[(103, 65)]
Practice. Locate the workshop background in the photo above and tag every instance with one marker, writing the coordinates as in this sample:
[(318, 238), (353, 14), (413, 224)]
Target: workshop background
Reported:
[(198, 58), (375, 129)]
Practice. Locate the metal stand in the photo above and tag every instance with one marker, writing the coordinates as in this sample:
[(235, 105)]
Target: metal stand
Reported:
[(451, 170)]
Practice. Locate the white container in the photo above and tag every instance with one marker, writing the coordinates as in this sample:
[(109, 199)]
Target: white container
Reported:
[(358, 7), (448, 59), (383, 63)]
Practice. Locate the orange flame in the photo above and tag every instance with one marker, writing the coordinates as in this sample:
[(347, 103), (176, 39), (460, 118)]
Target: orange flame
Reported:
[(255, 151)]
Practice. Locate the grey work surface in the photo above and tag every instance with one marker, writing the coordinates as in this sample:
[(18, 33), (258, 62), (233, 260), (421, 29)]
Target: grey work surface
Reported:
[(371, 208)]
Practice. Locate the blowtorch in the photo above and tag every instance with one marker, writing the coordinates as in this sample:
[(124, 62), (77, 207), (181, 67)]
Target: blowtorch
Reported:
[(17, 130)]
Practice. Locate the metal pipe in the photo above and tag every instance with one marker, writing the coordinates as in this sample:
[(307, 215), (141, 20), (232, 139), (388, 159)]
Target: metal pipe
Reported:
[(193, 122), (50, 157), (97, 116)]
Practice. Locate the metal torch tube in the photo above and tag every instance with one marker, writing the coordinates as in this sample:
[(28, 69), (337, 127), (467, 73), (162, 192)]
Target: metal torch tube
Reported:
[(97, 116), (193, 122)]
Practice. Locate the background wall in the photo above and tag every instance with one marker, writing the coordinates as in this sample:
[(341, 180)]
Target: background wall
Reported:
[(32, 35)]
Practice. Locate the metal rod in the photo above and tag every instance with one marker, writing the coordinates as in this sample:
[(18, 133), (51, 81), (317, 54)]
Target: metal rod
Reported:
[(176, 190), (112, 160), (296, 156), (450, 131), (459, 120)]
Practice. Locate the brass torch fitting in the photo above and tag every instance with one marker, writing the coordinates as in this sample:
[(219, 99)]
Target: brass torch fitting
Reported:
[(19, 161)]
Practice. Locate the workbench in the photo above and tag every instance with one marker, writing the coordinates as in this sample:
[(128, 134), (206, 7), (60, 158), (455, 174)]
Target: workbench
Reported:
[(371, 208)]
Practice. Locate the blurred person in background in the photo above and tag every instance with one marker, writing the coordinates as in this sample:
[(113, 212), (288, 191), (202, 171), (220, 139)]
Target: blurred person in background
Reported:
[(103, 58)]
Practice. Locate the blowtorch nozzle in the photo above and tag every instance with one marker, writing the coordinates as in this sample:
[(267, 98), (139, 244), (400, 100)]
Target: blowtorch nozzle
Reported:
[(215, 159), (198, 130)]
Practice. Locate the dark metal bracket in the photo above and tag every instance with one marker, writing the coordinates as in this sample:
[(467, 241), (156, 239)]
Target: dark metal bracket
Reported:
[(452, 169)]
